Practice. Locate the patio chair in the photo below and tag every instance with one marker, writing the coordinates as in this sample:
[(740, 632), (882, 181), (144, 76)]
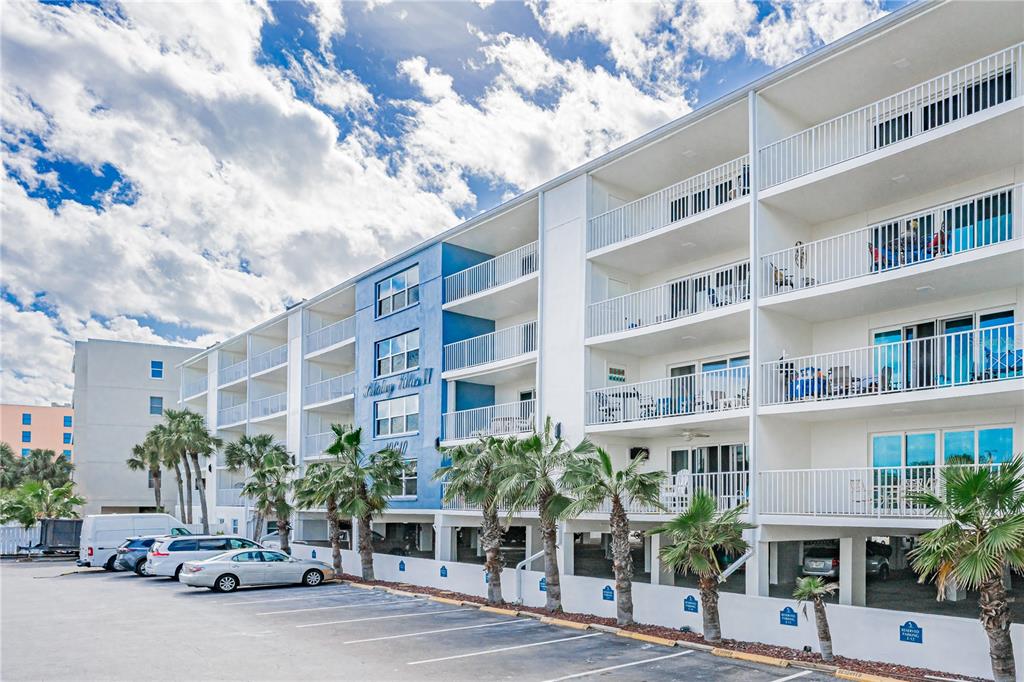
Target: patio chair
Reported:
[(717, 398), (606, 412), (839, 380), (883, 258), (860, 497)]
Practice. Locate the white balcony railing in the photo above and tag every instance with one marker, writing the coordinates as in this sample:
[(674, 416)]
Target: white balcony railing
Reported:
[(226, 375), (503, 344), (231, 415), (714, 391), (962, 92), (317, 444), (494, 420), (339, 331), (269, 359), (330, 389), (862, 491), (922, 237), (230, 497), (692, 196), (194, 387), (691, 295), (957, 359), (498, 271), (264, 407)]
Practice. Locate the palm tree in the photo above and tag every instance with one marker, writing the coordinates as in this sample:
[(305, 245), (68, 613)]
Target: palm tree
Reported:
[(34, 500), (10, 467), (593, 481), (190, 435), (815, 590), (472, 473), (147, 456), (170, 440), (322, 486), (368, 480), (171, 459), (984, 533), (269, 485), (245, 455), (530, 471), (698, 534), (45, 465)]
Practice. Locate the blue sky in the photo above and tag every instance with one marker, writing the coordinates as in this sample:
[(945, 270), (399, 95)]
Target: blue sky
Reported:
[(176, 172)]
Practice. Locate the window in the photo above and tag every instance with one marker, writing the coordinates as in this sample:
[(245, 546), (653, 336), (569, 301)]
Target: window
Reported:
[(67, 438), (234, 525), (995, 445), (893, 130), (983, 445), (274, 556), (239, 543), (149, 479), (616, 375), (156, 404), (248, 556), (26, 436), (156, 369), (409, 478), (67, 455), (398, 354), (397, 416), (183, 546), (26, 419), (67, 421), (399, 291), (214, 544), (25, 452)]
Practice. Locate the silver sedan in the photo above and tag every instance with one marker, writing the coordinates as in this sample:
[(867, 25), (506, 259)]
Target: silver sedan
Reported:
[(225, 572)]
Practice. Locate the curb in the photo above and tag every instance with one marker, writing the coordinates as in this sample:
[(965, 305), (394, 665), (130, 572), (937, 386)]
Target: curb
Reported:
[(646, 638), (446, 600), (605, 628), (531, 614), (499, 611), (362, 586), (863, 677), (565, 623), (753, 658)]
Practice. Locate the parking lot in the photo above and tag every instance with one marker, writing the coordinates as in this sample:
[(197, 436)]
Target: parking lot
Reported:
[(91, 625)]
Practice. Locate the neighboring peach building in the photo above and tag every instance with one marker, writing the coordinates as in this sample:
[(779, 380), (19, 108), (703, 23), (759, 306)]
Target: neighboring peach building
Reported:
[(31, 427)]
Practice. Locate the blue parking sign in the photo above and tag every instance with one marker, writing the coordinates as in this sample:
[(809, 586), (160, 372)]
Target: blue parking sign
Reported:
[(911, 632), (444, 571), (787, 616), (608, 594), (401, 566), (543, 584), (690, 604)]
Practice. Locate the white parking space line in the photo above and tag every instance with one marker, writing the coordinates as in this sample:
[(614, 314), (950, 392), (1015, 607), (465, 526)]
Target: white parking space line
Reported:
[(621, 665), (342, 606), (484, 652), (434, 632), (321, 595), (397, 615), (794, 676)]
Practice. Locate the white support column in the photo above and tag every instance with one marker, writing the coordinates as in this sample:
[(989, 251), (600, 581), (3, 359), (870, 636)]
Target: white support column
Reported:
[(566, 551), (758, 569), (852, 566), (661, 574), (444, 542), (426, 536), (757, 572), (534, 543)]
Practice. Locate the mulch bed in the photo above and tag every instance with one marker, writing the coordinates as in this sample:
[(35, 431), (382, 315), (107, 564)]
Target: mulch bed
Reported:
[(902, 672)]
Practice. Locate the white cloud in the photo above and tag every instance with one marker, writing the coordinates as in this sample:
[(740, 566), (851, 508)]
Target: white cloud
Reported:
[(715, 28), (797, 26), (328, 18)]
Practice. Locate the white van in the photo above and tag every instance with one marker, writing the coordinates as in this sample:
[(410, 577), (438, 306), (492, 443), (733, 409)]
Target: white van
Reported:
[(103, 533)]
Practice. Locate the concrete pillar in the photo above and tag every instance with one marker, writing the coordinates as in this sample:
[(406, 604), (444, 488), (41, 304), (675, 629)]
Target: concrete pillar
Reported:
[(758, 567), (534, 544), (426, 537), (444, 543), (566, 556), (852, 576), (661, 574), (954, 592), (647, 555)]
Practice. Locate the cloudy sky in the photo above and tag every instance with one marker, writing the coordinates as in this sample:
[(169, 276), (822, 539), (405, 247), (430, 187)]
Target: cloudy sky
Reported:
[(176, 172)]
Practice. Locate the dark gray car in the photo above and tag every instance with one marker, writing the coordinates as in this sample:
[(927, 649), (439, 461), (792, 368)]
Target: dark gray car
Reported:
[(131, 555)]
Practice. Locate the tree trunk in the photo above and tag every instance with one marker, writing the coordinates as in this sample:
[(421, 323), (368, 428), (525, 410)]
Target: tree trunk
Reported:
[(490, 536), (188, 488), (824, 633), (622, 563), (334, 533), (284, 532), (181, 491), (995, 618), (201, 484), (157, 491), (257, 525), (709, 602), (549, 533), (366, 547)]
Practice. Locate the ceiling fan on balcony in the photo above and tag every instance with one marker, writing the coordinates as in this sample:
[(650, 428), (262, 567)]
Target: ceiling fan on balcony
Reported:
[(689, 435)]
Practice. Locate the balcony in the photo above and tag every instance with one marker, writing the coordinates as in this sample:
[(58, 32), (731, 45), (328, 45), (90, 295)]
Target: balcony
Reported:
[(316, 444), (230, 497), (232, 373), (707, 392), (268, 406), (690, 199), (963, 92), (334, 334), (494, 420), (948, 367), (230, 416), (330, 390), (503, 348), (971, 240), (193, 388), (512, 273), (864, 492), (275, 357)]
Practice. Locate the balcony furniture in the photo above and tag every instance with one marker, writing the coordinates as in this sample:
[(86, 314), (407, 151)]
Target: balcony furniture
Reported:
[(839, 380), (606, 412)]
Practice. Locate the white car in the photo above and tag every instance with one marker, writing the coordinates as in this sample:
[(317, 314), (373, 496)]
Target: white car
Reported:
[(166, 556), (102, 534), (226, 572)]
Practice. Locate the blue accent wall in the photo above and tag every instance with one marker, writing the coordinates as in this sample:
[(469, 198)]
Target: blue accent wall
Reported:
[(455, 258), (468, 396), (458, 326)]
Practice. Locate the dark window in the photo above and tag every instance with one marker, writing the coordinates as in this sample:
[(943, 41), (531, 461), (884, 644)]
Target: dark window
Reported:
[(943, 111), (218, 544), (239, 543), (989, 92), (274, 556), (182, 546), (893, 130)]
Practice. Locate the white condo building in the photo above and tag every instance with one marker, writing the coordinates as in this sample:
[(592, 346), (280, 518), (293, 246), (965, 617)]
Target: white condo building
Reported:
[(806, 296)]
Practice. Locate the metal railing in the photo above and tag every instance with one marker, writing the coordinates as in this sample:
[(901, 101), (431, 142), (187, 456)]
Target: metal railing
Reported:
[(239, 370), (861, 491), (714, 391), (964, 91), (692, 196), (500, 270), (339, 331), (503, 344), (271, 404), (230, 497), (317, 443), (690, 295), (330, 389), (921, 237), (231, 415), (956, 359), (494, 420), (194, 387), (269, 359)]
